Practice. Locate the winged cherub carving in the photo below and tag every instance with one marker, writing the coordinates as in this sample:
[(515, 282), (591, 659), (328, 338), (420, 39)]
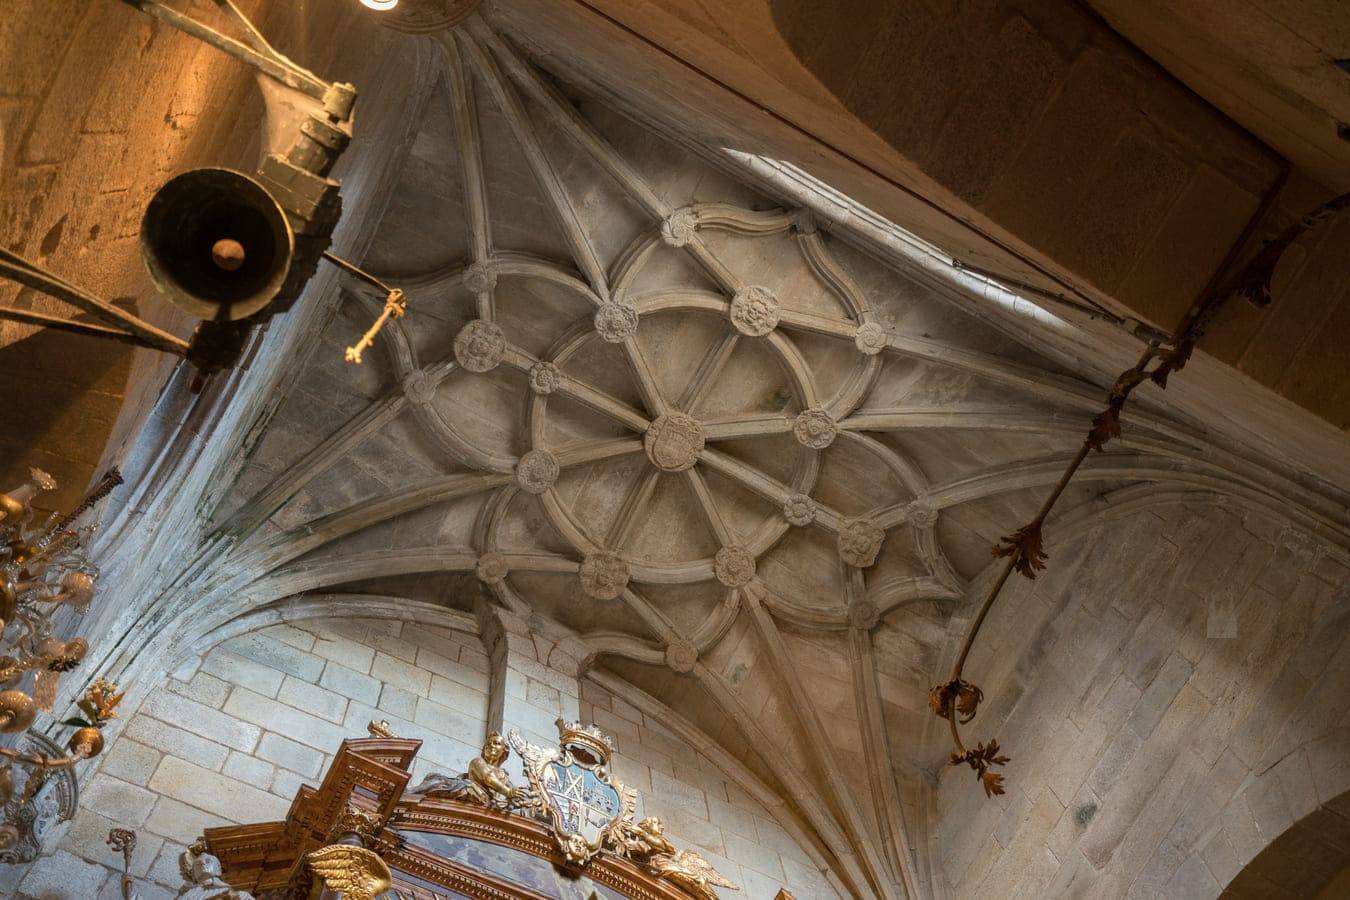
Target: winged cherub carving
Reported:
[(646, 841), (692, 872)]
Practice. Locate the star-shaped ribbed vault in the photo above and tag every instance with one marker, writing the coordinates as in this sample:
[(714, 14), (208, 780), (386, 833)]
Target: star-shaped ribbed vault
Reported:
[(751, 467)]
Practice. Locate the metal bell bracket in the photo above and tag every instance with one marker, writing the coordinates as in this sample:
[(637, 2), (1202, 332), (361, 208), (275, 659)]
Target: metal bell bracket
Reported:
[(257, 52)]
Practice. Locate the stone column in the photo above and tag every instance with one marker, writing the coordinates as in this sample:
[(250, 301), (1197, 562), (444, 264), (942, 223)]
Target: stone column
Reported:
[(534, 678)]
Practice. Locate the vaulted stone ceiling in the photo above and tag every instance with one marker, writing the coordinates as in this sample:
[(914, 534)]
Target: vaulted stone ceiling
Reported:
[(747, 468)]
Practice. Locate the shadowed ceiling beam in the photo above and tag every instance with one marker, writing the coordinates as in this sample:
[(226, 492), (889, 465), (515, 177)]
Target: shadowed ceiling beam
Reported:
[(260, 507), (309, 607), (699, 487), (635, 502), (770, 489), (600, 150), (596, 399), (1111, 466), (709, 368), (783, 812)]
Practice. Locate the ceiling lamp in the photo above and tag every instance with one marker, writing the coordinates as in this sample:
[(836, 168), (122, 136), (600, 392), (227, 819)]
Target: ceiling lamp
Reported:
[(380, 5)]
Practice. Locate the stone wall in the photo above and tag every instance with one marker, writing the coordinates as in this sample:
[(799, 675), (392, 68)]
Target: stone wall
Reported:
[(98, 107), (230, 737), (1141, 688), (701, 806)]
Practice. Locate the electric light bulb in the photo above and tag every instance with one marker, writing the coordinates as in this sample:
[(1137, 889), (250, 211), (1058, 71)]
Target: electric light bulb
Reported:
[(380, 5)]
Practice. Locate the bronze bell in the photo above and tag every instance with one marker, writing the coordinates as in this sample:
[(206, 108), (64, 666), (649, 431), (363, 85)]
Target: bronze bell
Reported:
[(217, 243)]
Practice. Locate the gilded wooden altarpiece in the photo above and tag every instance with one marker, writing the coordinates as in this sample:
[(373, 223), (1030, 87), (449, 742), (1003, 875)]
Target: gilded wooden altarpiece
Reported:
[(441, 841)]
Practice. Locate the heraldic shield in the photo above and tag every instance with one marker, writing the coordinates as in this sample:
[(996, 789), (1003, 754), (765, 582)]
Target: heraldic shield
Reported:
[(582, 800)]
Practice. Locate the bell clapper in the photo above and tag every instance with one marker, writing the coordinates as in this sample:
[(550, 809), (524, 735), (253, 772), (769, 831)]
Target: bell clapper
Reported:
[(227, 254)]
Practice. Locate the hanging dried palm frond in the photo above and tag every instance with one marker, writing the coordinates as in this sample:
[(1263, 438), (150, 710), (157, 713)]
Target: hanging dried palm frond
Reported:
[(1024, 546)]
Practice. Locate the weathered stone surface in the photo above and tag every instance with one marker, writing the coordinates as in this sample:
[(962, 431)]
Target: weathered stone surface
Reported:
[(274, 654), (180, 743), (616, 322), (545, 378), (480, 277), (241, 670), (419, 387), (131, 761), (681, 656), (860, 542), (350, 683), (799, 510), (678, 228), (215, 725), (202, 688), (734, 566), (400, 674), (61, 876), (249, 770), (266, 713), (289, 754), (215, 793), (870, 338), (119, 800), (319, 701)]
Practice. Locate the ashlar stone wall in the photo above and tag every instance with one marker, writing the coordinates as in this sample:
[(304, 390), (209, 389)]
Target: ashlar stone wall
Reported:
[(230, 737), (1165, 694), (700, 806)]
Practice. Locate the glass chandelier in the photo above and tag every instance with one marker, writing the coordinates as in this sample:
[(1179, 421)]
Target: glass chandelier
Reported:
[(42, 570)]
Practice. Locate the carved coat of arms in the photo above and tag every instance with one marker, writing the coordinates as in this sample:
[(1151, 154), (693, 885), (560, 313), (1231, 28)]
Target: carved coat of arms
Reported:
[(572, 783)]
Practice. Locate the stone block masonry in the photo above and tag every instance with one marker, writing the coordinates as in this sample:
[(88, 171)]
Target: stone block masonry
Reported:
[(1185, 753), (231, 737)]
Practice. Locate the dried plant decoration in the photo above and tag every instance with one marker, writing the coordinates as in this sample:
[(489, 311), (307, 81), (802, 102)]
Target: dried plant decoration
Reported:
[(1024, 548), (1105, 427), (966, 696), (980, 759)]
